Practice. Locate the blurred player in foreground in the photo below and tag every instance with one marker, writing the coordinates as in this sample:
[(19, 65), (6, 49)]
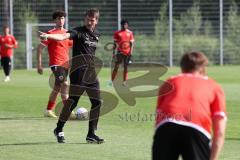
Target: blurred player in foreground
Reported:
[(83, 77), (186, 116), (58, 52), (7, 43), (123, 43)]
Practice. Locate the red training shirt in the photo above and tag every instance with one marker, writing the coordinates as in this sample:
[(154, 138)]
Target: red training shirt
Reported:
[(123, 39), (7, 40), (193, 102), (58, 51)]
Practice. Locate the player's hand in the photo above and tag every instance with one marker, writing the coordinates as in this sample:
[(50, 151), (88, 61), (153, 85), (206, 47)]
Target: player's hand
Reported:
[(43, 36), (40, 70), (130, 59), (8, 46)]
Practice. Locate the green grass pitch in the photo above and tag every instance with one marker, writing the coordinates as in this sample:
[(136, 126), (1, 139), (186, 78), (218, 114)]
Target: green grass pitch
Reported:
[(26, 135)]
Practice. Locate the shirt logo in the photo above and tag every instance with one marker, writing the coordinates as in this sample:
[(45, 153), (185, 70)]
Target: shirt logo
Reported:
[(91, 44)]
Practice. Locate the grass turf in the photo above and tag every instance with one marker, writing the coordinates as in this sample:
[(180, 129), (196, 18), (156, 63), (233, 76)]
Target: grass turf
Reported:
[(128, 131)]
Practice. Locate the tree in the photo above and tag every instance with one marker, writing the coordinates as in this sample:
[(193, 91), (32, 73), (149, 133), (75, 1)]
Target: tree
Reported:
[(233, 22), (189, 22)]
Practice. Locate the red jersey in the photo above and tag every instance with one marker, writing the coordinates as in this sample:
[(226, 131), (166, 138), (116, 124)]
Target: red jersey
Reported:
[(7, 40), (58, 51), (123, 39), (193, 102)]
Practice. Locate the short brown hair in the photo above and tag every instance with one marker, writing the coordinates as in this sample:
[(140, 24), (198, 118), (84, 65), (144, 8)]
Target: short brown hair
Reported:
[(5, 26), (93, 12), (58, 13), (193, 61)]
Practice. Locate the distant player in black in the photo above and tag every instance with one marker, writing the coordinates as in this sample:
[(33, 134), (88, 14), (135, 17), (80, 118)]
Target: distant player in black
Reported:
[(83, 76)]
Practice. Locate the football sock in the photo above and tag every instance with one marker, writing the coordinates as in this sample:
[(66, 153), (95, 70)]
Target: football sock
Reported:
[(7, 69), (50, 105), (60, 125), (91, 130), (125, 75)]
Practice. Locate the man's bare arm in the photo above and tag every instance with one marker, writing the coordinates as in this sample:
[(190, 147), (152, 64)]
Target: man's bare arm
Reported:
[(219, 126), (57, 37), (131, 49), (39, 58)]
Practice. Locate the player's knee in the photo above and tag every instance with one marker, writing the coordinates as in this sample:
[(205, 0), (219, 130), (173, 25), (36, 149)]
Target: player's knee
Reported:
[(64, 96), (64, 90), (116, 66), (118, 63), (96, 103), (65, 84)]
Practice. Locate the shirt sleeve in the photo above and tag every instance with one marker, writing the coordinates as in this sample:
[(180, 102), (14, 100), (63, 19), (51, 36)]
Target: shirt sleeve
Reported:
[(46, 42), (115, 36), (73, 33), (218, 106), (70, 43), (166, 88)]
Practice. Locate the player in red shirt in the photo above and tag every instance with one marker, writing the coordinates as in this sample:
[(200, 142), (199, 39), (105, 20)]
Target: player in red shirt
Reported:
[(7, 43), (58, 52), (123, 42), (186, 115)]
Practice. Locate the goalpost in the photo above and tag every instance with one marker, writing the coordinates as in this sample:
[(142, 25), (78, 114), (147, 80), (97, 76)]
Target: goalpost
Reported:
[(30, 39)]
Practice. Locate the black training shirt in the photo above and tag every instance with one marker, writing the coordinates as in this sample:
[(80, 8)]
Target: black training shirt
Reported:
[(84, 41)]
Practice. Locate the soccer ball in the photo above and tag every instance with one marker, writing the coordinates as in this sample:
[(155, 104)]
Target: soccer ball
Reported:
[(82, 113)]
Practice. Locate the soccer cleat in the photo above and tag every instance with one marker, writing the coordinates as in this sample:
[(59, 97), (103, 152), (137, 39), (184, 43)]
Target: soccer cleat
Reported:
[(49, 113), (94, 139), (59, 136), (7, 79)]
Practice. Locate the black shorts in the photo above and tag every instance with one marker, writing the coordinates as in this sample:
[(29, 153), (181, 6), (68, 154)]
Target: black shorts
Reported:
[(122, 58), (84, 80), (172, 140), (5, 61), (60, 74)]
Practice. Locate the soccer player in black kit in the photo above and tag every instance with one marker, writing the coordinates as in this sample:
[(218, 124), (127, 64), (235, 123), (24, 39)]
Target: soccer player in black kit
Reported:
[(83, 77)]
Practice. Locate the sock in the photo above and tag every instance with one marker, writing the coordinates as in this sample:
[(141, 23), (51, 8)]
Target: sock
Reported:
[(125, 75), (91, 128), (91, 132), (60, 126), (50, 105), (7, 69)]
